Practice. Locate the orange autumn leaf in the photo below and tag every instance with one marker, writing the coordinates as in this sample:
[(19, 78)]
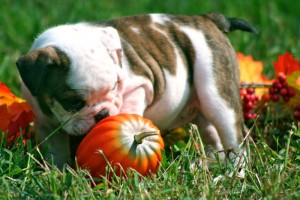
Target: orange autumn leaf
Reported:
[(15, 113), (286, 64), (298, 81), (20, 117), (6, 97), (251, 72)]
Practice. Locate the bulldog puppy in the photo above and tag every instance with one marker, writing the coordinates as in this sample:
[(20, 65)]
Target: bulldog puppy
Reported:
[(171, 69)]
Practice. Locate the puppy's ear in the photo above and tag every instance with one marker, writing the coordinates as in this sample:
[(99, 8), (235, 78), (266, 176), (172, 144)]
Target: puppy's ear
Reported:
[(111, 40), (33, 68)]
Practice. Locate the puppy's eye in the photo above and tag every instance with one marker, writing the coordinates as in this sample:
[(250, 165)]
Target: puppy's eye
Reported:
[(73, 104)]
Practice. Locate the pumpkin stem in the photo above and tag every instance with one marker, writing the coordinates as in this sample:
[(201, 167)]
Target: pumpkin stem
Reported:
[(138, 138)]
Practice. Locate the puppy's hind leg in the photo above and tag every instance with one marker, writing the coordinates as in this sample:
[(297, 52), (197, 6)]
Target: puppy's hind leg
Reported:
[(224, 119), (216, 78), (218, 111), (210, 137)]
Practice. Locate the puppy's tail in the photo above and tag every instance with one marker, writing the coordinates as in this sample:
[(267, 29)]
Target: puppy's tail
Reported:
[(230, 24)]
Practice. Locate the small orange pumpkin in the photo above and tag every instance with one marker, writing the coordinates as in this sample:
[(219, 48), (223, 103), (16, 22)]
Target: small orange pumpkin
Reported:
[(126, 140)]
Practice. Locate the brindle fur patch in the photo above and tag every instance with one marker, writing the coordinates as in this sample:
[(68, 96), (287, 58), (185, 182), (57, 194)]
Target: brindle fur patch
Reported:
[(148, 59)]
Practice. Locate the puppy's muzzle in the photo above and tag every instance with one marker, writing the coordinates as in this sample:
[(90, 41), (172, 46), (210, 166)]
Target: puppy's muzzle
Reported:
[(101, 115)]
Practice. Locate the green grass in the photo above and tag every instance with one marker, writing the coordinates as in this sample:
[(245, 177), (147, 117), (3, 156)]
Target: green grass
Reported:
[(270, 174)]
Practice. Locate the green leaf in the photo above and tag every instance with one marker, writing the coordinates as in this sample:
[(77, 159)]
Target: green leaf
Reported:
[(15, 171), (99, 186)]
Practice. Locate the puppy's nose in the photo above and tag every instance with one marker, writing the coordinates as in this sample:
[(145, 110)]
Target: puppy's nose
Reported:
[(101, 115)]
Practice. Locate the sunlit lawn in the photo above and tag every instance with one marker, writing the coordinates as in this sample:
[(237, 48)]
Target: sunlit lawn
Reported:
[(270, 173)]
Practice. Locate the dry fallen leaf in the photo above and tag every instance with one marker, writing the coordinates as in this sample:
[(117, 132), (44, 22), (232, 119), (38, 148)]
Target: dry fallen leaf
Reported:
[(173, 136)]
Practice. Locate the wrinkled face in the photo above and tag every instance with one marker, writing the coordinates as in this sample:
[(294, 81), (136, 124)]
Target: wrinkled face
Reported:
[(82, 83)]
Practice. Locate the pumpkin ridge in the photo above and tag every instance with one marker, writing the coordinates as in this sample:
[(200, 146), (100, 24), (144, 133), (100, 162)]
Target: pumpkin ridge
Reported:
[(142, 163), (154, 148), (152, 156)]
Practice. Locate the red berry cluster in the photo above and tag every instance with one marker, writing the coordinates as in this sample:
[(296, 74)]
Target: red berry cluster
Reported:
[(249, 99), (297, 112), (281, 88)]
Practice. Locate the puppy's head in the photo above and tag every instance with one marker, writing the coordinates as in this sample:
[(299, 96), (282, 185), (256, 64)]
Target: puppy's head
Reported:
[(75, 69)]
